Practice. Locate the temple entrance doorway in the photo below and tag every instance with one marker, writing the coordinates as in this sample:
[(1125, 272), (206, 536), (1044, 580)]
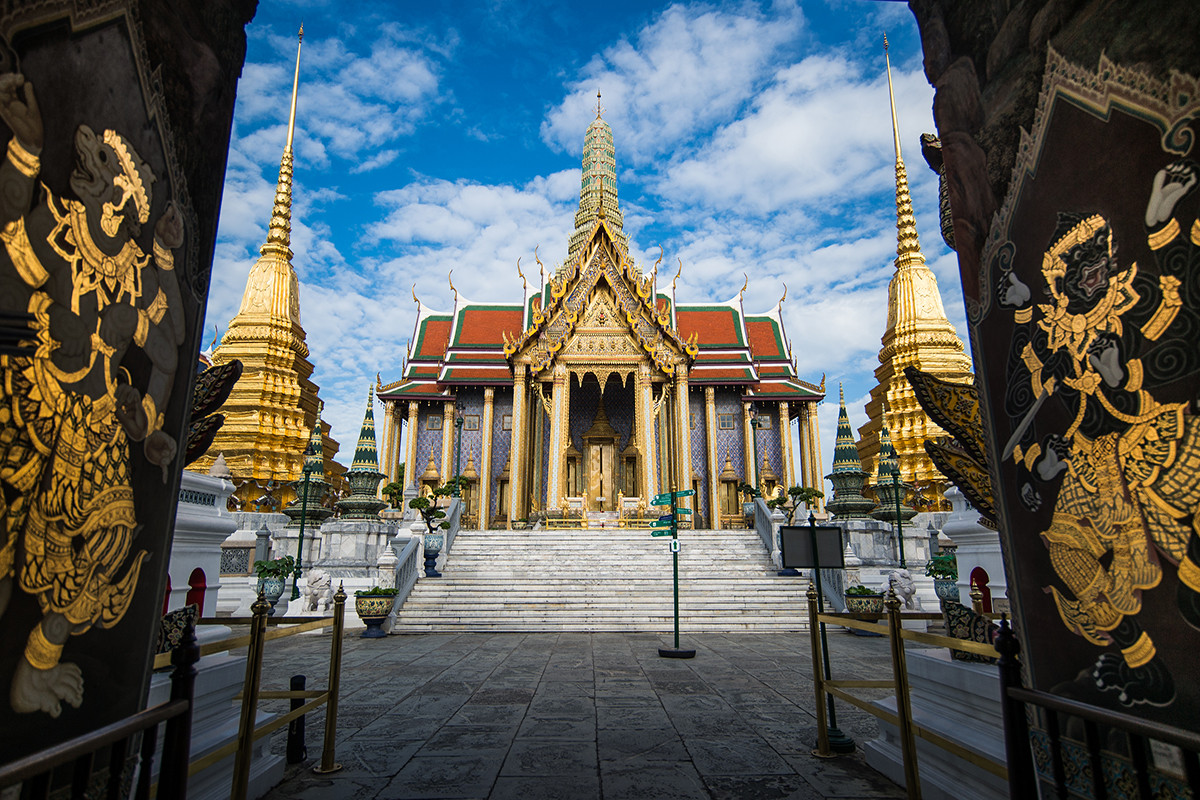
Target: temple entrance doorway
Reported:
[(602, 461)]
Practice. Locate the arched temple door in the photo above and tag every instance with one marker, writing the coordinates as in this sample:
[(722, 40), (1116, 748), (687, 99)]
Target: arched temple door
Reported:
[(979, 580)]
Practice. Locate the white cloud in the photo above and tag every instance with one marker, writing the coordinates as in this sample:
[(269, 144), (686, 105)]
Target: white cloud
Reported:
[(680, 73)]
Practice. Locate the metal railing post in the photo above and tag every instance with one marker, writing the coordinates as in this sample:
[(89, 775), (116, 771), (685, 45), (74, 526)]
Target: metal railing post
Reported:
[(177, 733), (908, 745), (250, 687), (1021, 779), (335, 677), (823, 749)]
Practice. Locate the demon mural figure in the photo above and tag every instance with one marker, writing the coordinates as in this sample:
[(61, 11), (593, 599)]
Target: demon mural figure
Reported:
[(68, 413), (1124, 476)]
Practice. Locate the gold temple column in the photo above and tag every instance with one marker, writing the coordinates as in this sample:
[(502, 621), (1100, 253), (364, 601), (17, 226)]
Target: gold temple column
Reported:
[(710, 434), (749, 467), (485, 460), (410, 459), (818, 467), (785, 445), (516, 465), (645, 410), (802, 441), (557, 438), (683, 446), (447, 465)]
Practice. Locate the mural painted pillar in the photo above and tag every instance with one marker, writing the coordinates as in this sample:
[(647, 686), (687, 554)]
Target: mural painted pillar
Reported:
[(516, 466), (410, 458), (750, 468), (447, 465), (558, 420), (485, 459), (710, 429), (785, 445)]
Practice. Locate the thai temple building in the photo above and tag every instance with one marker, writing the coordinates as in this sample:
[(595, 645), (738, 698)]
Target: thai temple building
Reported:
[(274, 406), (598, 390), (918, 334)]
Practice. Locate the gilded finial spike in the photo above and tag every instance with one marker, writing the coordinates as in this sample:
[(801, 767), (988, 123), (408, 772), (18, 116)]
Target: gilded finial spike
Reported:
[(677, 274), (414, 292), (450, 280), (295, 89), (599, 110), (784, 295), (524, 283), (744, 285), (891, 97)]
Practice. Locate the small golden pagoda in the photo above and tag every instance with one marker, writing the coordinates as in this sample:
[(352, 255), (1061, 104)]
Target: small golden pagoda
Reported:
[(918, 334), (273, 407)]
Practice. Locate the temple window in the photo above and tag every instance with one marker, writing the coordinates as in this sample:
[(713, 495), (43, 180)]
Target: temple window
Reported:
[(434, 423), (725, 422)]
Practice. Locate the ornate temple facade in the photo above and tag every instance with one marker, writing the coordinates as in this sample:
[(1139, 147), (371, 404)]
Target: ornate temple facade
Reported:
[(598, 391), (918, 334), (274, 406)]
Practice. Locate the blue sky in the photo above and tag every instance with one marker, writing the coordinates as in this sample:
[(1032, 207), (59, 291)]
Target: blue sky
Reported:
[(750, 137)]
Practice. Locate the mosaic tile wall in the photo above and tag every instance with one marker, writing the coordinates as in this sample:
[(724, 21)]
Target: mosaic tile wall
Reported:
[(501, 441), (470, 403), (730, 402), (427, 439), (769, 442), (699, 438)]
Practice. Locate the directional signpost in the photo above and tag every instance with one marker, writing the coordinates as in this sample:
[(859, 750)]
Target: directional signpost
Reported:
[(671, 523)]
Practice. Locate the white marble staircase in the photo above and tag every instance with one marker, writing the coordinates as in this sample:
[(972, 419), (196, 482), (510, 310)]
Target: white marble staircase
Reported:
[(605, 580)]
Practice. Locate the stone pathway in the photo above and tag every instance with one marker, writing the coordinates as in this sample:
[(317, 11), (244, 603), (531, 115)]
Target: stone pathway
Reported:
[(578, 715)]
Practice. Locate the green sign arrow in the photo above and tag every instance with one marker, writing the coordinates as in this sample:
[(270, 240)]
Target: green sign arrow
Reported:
[(660, 533), (661, 500), (684, 493), (683, 511), (658, 524)]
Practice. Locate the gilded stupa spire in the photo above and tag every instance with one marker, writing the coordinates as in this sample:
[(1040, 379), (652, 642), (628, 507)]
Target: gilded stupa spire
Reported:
[(274, 405), (279, 231), (918, 333), (598, 187)]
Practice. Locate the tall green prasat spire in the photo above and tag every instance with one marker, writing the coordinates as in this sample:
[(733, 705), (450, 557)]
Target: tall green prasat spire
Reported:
[(848, 475), (313, 511), (886, 485), (364, 475)]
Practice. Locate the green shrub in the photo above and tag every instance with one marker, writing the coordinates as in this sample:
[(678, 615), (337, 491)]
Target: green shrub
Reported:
[(859, 590), (375, 591)]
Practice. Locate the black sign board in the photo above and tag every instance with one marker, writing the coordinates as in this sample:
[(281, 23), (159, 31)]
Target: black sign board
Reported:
[(796, 542)]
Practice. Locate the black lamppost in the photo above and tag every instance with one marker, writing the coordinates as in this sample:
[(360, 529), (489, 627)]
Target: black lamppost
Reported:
[(754, 437), (899, 491), (308, 468), (458, 425)]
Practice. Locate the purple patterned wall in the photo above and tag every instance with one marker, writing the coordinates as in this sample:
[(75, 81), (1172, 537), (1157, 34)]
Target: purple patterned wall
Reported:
[(618, 405), (470, 403), (501, 441), (768, 442), (427, 439), (699, 439), (730, 402)]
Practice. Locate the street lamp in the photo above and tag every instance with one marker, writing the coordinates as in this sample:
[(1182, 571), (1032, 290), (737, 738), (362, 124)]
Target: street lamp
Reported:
[(899, 492), (458, 425), (754, 437), (310, 466)]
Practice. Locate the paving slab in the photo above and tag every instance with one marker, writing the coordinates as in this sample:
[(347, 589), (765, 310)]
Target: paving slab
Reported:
[(580, 716)]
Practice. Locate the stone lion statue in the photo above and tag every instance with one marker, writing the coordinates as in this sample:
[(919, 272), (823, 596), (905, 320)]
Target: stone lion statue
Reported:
[(318, 596), (902, 583)]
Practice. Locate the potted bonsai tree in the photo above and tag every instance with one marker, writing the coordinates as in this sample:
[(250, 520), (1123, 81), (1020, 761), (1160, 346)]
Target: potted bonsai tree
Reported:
[(272, 577), (373, 606), (795, 497), (435, 522), (943, 568)]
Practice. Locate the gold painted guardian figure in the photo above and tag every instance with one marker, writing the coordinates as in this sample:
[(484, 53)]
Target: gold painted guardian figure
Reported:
[(68, 413)]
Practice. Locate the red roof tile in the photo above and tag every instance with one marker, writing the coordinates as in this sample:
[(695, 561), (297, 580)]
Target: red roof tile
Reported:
[(713, 326), (765, 341), (483, 325), (434, 336)]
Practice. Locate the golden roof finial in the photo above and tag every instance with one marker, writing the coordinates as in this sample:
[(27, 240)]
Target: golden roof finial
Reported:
[(541, 268), (524, 283), (744, 286), (450, 280), (415, 300), (908, 244), (784, 296), (599, 108), (677, 274)]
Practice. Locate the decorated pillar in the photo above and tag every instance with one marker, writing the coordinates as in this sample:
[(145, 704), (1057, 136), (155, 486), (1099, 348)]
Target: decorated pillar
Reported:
[(485, 459), (516, 469), (818, 470), (749, 467), (683, 439), (410, 457), (557, 437), (710, 430), (645, 412), (785, 445), (447, 466)]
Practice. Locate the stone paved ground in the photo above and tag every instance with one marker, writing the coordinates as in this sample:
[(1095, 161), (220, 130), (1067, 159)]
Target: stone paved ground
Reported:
[(577, 715)]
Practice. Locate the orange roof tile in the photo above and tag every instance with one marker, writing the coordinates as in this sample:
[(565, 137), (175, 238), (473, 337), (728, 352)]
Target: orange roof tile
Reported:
[(483, 325), (765, 341), (713, 326), (434, 336)]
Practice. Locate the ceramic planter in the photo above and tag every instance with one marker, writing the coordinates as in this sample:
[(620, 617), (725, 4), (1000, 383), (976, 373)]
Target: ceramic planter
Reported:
[(946, 589), (433, 546), (864, 603), (373, 609), (272, 589)]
